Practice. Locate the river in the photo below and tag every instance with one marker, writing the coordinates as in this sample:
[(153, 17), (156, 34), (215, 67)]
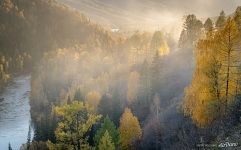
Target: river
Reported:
[(14, 113)]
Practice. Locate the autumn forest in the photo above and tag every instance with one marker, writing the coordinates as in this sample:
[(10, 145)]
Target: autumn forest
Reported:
[(98, 87)]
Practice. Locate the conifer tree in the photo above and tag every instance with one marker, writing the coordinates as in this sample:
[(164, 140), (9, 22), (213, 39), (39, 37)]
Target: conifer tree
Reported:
[(191, 32), (158, 43), (110, 106), (237, 17), (69, 100), (133, 86), (93, 99), (215, 81), (78, 96), (106, 142), (29, 138), (9, 146), (141, 106), (221, 20), (156, 73), (202, 97), (229, 45), (208, 25), (130, 130), (109, 126)]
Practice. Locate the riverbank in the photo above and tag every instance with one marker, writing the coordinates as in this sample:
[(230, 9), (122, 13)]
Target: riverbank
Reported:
[(10, 81)]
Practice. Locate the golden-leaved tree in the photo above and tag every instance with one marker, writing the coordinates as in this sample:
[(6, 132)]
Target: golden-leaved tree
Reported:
[(130, 130), (215, 80), (229, 48), (93, 99), (76, 120), (106, 142)]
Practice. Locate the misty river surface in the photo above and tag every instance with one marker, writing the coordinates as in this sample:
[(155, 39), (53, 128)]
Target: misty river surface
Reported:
[(15, 113)]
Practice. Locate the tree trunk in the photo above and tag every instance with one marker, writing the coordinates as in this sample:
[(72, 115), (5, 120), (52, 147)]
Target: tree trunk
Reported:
[(228, 73)]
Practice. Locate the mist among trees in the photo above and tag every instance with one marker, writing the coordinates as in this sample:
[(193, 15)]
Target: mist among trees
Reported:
[(95, 88)]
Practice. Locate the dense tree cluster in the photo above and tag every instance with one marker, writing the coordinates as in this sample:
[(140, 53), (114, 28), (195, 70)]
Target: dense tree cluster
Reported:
[(104, 79), (191, 32), (212, 100), (10, 65), (77, 120), (215, 84), (75, 74), (30, 28), (93, 89)]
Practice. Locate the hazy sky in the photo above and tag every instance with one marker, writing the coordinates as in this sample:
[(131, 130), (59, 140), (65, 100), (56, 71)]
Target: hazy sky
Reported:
[(151, 13), (200, 7)]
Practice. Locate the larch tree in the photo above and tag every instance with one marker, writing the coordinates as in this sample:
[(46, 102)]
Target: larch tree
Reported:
[(215, 80), (229, 47), (130, 130), (201, 97), (93, 99), (75, 121), (105, 142)]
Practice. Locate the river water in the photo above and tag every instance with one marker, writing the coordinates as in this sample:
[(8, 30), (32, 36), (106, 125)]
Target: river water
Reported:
[(14, 113)]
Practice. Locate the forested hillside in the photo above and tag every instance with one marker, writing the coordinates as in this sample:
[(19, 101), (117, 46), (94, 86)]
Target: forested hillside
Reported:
[(138, 88), (213, 98), (129, 75), (31, 28), (96, 89)]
